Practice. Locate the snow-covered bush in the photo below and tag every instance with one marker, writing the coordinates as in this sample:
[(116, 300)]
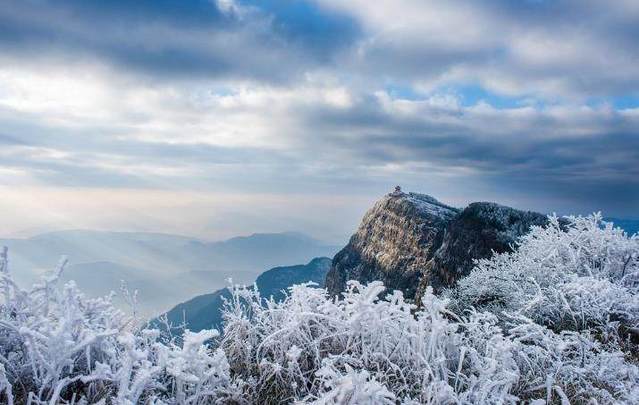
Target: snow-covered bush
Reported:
[(581, 275), (351, 387), (365, 349), (313, 348), (56, 346)]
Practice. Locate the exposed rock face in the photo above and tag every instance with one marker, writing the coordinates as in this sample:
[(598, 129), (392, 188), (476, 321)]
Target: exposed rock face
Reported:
[(410, 241), (479, 230), (394, 242)]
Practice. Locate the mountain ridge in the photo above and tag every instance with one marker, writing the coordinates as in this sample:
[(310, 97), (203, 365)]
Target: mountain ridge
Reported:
[(411, 241), (204, 311)]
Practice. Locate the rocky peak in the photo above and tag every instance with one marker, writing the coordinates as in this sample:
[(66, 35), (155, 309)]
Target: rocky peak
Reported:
[(394, 243), (410, 241)]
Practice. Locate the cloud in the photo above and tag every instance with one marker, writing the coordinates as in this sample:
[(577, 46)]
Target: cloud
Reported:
[(317, 135), (550, 49), (179, 39), (535, 104)]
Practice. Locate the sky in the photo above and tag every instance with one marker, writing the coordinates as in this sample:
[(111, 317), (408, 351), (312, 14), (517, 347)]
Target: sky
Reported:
[(218, 118)]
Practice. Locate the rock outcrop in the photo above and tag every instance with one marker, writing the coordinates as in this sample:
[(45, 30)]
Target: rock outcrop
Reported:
[(411, 241), (394, 243)]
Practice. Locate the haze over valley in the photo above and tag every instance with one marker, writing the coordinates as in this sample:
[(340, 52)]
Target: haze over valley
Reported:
[(165, 269)]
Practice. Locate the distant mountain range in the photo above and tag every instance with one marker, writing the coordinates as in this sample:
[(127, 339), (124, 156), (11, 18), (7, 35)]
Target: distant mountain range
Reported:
[(164, 268), (205, 311)]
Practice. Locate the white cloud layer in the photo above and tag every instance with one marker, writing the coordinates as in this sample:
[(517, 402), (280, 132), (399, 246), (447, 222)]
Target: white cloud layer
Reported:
[(535, 104)]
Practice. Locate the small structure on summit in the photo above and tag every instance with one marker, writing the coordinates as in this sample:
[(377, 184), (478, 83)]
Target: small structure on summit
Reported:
[(397, 192)]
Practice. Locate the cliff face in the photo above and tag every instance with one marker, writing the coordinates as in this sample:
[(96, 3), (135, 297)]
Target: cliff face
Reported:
[(479, 230), (394, 243), (410, 241)]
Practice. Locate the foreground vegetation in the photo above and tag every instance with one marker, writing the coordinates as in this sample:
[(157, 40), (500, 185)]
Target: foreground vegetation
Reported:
[(556, 321)]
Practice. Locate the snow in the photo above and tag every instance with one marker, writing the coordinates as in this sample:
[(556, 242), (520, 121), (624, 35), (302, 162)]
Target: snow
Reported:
[(555, 321), (429, 205), (57, 346), (576, 279)]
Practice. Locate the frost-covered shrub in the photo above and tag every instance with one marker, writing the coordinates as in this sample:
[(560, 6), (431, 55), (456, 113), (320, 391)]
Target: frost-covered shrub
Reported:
[(312, 347), (569, 297), (572, 365), (351, 387), (365, 349), (577, 276), (553, 322), (56, 346)]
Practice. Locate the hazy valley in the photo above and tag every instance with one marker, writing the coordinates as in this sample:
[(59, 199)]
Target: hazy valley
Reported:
[(165, 269)]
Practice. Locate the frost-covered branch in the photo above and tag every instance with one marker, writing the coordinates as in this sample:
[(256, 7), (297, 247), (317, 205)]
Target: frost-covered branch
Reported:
[(58, 347)]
